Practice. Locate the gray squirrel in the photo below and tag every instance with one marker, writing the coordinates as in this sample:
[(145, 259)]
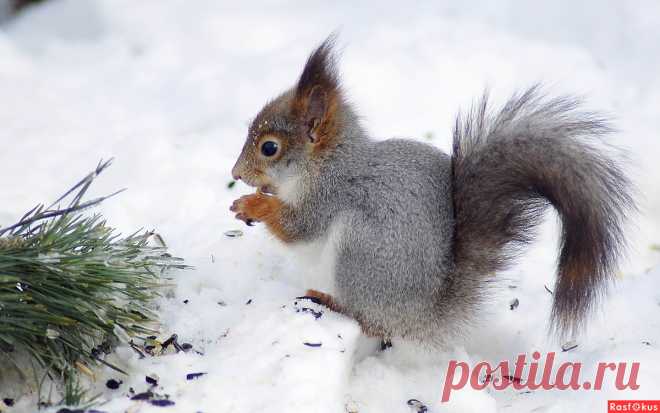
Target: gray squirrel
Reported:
[(418, 234)]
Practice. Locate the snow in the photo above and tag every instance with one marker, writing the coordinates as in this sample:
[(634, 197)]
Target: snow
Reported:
[(168, 88)]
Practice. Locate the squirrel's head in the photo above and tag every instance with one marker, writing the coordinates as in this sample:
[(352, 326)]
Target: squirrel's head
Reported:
[(292, 133)]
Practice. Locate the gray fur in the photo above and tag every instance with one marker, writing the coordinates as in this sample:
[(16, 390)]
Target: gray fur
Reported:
[(508, 166), (398, 228), (422, 231)]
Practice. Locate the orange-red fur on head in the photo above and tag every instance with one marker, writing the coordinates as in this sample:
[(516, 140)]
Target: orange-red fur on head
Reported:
[(306, 119)]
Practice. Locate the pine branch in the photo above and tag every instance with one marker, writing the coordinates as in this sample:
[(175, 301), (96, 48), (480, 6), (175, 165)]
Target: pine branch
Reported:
[(37, 214), (71, 287)]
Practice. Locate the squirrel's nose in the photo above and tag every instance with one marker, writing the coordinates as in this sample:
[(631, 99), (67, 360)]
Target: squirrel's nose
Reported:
[(235, 174), (236, 170)]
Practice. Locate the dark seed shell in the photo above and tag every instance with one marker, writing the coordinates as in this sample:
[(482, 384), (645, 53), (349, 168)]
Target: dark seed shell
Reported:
[(514, 304), (162, 402), (143, 396), (193, 376), (113, 384), (418, 406), (315, 300), (316, 314)]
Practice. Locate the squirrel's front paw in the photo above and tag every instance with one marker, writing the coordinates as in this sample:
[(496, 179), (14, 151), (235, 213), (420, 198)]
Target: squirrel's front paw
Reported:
[(250, 208)]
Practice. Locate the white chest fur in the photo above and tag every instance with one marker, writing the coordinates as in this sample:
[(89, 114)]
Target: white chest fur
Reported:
[(290, 190), (316, 260)]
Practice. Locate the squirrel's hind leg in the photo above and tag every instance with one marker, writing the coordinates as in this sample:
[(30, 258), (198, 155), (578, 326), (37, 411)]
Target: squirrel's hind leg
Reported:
[(328, 301), (325, 300)]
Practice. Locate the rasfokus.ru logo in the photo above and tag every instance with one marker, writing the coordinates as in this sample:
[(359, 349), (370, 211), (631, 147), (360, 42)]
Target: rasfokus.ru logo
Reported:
[(536, 374), (633, 406)]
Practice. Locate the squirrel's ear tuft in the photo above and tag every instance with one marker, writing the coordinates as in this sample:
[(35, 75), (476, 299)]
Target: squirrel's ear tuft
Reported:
[(320, 69), (317, 92)]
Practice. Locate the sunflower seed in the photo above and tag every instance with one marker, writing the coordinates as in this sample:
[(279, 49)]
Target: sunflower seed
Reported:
[(234, 233)]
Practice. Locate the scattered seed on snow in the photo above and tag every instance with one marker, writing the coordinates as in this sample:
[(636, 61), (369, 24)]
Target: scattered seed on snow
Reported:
[(173, 338), (248, 302), (143, 396), (417, 406), (193, 376), (178, 347), (315, 300), (113, 384), (514, 304), (313, 344), (234, 233), (162, 402), (316, 314), (152, 379)]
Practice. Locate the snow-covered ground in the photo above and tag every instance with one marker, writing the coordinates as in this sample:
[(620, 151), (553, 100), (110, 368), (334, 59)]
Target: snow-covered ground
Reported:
[(168, 88)]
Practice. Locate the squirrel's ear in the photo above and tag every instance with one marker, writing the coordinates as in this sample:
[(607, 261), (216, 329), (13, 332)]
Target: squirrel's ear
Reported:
[(317, 93)]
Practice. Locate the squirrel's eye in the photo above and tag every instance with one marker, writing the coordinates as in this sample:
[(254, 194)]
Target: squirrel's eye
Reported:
[(269, 148)]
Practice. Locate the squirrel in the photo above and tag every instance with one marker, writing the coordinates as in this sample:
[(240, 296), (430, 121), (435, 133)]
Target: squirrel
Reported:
[(418, 234)]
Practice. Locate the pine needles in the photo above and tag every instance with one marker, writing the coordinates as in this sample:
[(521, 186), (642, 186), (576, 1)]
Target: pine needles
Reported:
[(71, 288)]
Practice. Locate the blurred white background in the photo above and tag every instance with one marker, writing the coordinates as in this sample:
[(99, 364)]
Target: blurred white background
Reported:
[(81, 80)]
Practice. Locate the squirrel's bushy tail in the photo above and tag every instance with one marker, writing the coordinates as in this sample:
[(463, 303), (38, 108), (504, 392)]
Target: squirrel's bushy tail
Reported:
[(509, 165)]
